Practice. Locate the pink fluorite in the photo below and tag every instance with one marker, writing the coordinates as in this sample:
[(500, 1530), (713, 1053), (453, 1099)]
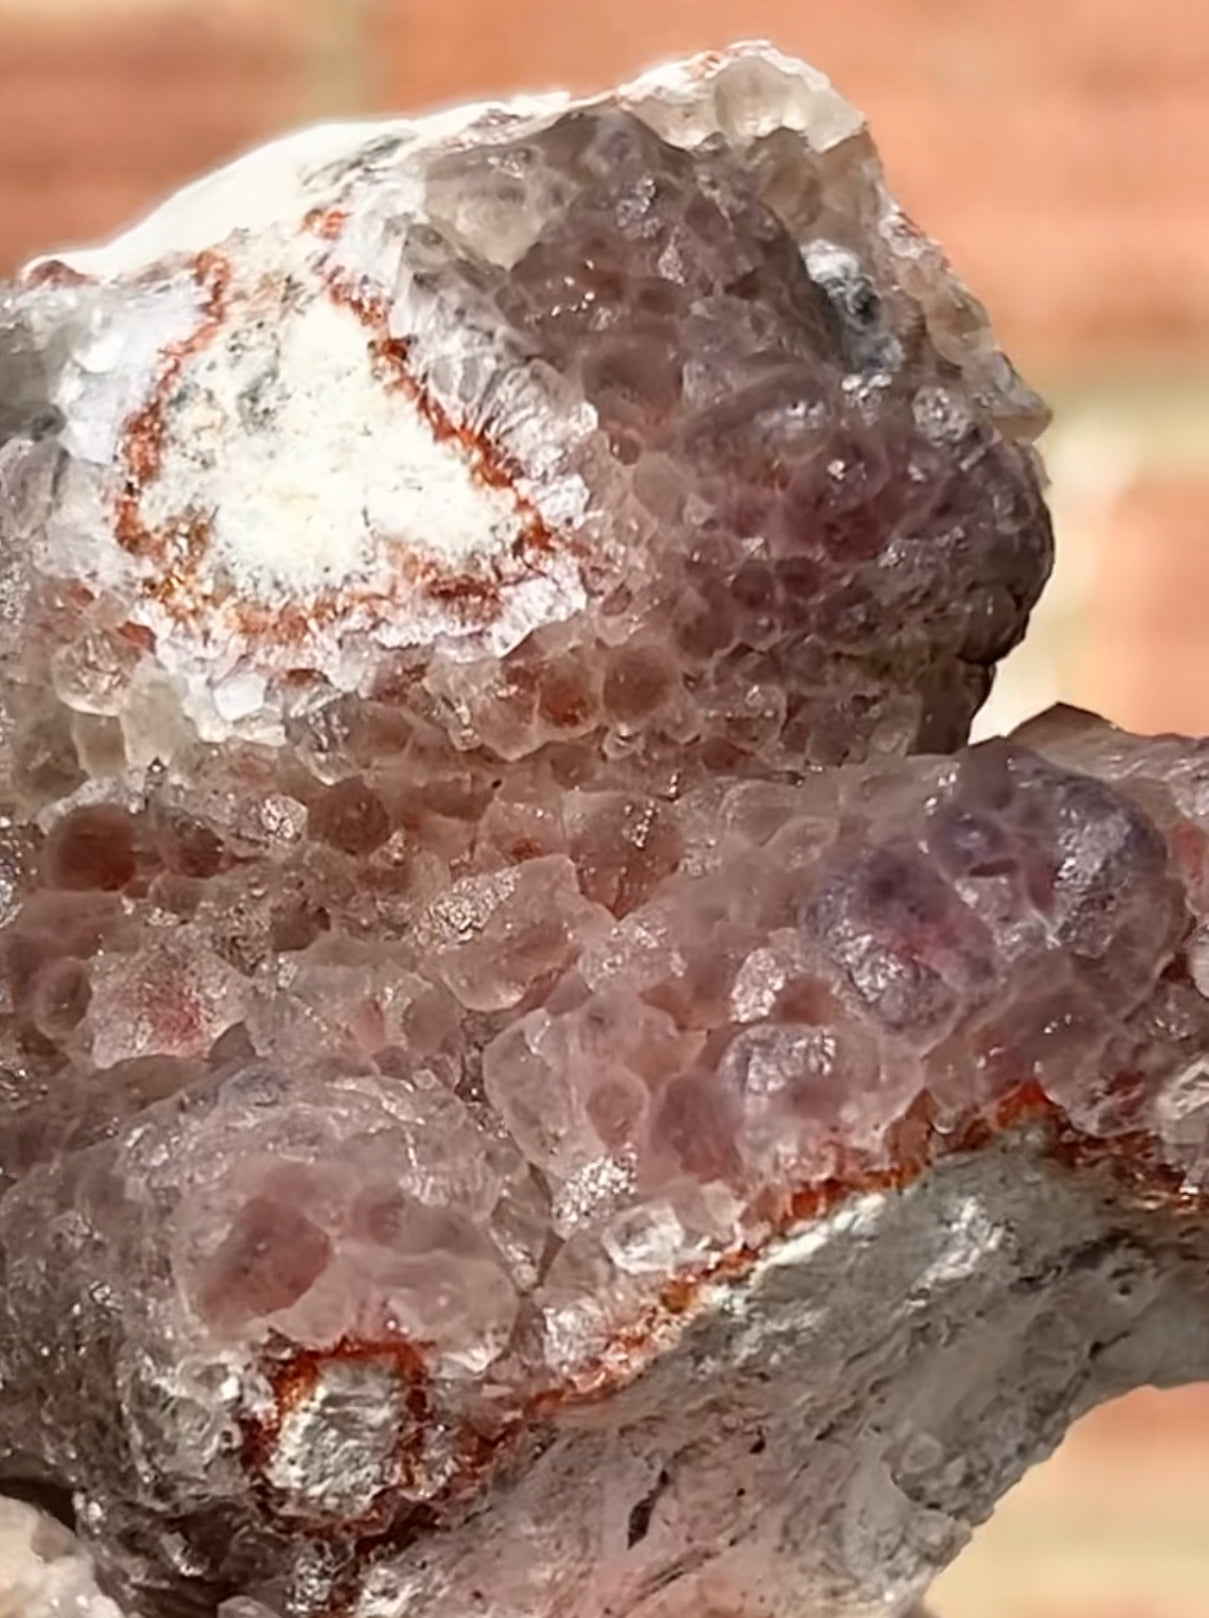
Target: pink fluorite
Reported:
[(474, 586)]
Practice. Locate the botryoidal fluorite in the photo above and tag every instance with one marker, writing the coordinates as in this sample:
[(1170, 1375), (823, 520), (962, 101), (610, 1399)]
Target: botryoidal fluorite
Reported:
[(541, 1078)]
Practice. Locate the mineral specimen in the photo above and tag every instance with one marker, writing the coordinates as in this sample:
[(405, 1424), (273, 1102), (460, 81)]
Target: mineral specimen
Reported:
[(541, 1077)]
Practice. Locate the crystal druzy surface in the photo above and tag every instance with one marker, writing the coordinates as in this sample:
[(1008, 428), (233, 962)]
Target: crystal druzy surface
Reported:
[(476, 595)]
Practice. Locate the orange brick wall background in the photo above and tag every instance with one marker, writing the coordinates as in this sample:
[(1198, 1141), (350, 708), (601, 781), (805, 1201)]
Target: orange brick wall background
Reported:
[(1061, 152), (1059, 149)]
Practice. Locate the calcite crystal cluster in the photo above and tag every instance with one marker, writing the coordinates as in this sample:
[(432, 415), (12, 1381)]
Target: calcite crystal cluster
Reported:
[(541, 1078)]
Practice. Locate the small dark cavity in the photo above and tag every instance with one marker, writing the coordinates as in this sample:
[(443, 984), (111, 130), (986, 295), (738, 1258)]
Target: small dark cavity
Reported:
[(641, 1514), (52, 1498)]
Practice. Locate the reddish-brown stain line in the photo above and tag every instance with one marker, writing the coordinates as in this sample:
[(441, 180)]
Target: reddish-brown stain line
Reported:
[(1132, 1160), (487, 462), (294, 1376), (143, 438), (178, 551)]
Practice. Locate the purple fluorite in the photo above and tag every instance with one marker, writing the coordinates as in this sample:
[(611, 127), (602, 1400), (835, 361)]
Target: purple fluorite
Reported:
[(483, 949)]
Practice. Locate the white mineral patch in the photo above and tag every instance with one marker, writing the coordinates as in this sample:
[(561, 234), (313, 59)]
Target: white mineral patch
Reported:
[(43, 1572), (266, 187), (115, 365), (330, 467)]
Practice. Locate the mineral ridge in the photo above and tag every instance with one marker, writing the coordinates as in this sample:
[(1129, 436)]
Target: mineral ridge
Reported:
[(540, 1076)]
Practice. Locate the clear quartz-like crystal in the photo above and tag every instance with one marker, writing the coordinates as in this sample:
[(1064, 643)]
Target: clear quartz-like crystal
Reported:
[(493, 608)]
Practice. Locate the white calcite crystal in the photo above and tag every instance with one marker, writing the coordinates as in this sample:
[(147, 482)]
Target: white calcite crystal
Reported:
[(539, 1076), (43, 1572)]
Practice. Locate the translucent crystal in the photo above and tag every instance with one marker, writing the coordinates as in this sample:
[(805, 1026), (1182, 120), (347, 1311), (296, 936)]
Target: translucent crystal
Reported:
[(492, 612)]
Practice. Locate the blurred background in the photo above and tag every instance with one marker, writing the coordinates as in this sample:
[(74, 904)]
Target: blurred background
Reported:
[(1060, 151)]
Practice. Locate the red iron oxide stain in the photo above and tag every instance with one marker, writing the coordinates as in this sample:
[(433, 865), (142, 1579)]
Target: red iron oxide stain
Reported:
[(293, 1378), (1131, 1160), (487, 464), (178, 552), (143, 440), (326, 223)]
